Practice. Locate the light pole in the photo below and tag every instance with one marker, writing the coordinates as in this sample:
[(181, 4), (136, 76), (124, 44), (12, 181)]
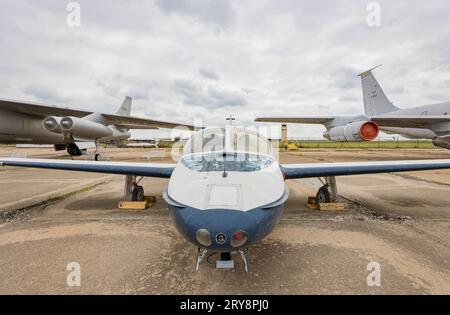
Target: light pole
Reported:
[(231, 119)]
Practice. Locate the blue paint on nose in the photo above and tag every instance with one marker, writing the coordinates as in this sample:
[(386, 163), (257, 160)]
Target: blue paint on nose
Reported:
[(223, 223)]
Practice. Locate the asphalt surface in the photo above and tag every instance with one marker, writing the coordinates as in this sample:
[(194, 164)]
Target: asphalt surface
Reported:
[(401, 222)]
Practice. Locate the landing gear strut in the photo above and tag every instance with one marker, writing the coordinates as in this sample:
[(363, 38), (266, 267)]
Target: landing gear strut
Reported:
[(201, 253), (244, 255), (97, 156), (133, 190)]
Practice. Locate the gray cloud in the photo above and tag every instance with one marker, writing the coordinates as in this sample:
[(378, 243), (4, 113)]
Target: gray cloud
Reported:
[(218, 12), (345, 78), (274, 57), (44, 93), (208, 74), (207, 96)]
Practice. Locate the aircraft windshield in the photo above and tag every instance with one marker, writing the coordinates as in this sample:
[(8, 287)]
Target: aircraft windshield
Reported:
[(229, 140), (217, 162)]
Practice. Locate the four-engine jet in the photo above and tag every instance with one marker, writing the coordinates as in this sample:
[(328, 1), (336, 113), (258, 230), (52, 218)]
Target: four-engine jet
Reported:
[(69, 129), (424, 122), (227, 191)]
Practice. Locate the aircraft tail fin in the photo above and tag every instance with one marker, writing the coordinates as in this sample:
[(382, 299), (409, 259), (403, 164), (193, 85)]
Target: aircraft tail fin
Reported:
[(375, 101), (125, 108)]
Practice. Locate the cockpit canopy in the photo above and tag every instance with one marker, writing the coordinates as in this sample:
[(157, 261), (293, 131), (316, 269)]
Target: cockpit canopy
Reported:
[(227, 150), (230, 140)]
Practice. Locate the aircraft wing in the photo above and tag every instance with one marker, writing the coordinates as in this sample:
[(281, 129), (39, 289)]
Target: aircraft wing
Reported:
[(409, 121), (355, 168), (141, 123), (123, 168), (299, 120), (41, 110)]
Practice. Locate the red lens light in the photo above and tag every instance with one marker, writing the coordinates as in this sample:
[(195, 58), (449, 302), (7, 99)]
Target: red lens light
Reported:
[(239, 238), (239, 235)]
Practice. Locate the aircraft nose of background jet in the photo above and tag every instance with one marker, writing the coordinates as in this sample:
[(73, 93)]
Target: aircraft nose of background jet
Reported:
[(223, 226)]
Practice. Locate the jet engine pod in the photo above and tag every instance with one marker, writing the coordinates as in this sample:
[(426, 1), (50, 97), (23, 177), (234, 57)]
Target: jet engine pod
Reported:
[(356, 131), (84, 128), (53, 124)]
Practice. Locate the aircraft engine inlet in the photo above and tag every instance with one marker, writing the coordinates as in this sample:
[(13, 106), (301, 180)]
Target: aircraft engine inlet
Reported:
[(53, 124)]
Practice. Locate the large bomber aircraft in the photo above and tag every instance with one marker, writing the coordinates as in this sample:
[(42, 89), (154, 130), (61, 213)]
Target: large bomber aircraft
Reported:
[(69, 129), (227, 191), (424, 122)]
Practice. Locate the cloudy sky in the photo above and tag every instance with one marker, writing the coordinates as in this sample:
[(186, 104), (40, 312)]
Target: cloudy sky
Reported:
[(206, 59)]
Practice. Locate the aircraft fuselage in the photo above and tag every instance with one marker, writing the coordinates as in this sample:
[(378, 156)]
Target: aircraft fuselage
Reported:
[(23, 128)]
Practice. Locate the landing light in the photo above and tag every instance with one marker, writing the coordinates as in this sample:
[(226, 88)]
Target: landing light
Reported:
[(204, 237), (239, 238)]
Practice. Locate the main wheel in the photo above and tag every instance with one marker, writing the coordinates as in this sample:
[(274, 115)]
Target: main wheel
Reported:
[(97, 157), (137, 193), (73, 150), (323, 195)]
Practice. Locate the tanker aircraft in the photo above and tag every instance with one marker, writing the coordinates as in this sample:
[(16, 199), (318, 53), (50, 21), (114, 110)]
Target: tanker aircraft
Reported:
[(423, 122)]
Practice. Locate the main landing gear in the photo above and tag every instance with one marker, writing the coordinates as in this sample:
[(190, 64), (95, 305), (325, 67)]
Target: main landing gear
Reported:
[(97, 156), (133, 190), (74, 150), (328, 192)]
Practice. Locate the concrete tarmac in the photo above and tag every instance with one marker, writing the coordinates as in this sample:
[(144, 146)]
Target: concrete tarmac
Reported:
[(399, 221)]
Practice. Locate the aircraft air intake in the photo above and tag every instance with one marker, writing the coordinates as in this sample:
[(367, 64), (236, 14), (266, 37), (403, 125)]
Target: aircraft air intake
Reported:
[(52, 124)]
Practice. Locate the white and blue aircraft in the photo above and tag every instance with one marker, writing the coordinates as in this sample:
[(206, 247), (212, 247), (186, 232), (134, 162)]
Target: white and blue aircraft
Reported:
[(228, 190)]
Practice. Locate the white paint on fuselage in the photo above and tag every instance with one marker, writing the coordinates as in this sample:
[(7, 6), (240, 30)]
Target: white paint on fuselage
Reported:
[(243, 187), (23, 128), (430, 131), (413, 133), (237, 191)]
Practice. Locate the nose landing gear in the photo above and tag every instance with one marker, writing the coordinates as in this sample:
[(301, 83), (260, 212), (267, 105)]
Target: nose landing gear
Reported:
[(226, 261)]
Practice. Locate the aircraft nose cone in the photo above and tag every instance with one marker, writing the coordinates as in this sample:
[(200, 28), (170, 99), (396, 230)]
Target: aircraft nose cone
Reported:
[(222, 225)]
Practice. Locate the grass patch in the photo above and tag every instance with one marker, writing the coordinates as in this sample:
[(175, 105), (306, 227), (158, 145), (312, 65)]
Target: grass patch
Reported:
[(390, 144)]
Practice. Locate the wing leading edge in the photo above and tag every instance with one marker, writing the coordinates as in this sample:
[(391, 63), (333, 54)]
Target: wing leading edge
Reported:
[(142, 123), (123, 168), (292, 171)]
